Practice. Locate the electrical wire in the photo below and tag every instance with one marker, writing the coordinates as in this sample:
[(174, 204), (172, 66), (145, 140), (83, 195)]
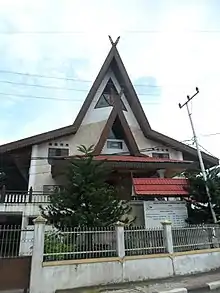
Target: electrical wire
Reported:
[(64, 78), (211, 31), (208, 152), (58, 99), (210, 134), (58, 88)]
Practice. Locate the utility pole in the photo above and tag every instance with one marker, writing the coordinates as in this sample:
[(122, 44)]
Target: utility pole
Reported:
[(199, 153)]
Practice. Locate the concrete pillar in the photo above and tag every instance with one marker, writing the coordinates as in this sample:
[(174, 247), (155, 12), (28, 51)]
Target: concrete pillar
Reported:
[(120, 239), (161, 173), (24, 250), (37, 255), (167, 234), (33, 167)]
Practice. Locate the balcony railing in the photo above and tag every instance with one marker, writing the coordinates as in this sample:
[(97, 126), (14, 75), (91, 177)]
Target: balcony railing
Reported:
[(23, 197)]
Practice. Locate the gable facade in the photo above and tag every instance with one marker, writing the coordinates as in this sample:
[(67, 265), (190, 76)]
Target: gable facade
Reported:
[(102, 112)]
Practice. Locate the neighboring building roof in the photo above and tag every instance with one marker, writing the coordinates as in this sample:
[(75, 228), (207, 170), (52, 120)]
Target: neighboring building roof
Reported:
[(114, 61), (160, 186)]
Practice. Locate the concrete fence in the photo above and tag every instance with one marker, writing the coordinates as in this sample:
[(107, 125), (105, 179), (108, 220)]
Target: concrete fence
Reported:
[(49, 276)]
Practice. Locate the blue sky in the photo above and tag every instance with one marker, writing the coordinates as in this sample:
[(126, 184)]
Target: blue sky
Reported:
[(169, 47)]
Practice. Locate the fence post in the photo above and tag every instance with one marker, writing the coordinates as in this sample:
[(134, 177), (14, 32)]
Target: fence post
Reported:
[(120, 239), (168, 238), (30, 193), (37, 255)]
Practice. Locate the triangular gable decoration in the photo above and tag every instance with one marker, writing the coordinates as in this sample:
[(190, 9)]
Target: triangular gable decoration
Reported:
[(117, 126), (105, 99)]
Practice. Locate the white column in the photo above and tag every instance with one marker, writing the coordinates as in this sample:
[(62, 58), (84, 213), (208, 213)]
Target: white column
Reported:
[(167, 234), (120, 239), (23, 242), (161, 173), (37, 255), (33, 167)]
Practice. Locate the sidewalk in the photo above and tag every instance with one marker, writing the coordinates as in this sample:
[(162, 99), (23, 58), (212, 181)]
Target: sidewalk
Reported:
[(191, 283)]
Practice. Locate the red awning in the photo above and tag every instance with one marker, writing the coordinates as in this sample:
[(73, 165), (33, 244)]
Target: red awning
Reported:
[(160, 186)]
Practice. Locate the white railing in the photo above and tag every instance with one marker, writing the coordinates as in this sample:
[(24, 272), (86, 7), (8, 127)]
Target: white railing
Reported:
[(102, 242), (196, 237), (81, 243), (140, 241), (78, 243), (19, 197)]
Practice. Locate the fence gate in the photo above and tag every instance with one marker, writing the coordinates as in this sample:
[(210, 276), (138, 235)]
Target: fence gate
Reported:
[(15, 257), (15, 273)]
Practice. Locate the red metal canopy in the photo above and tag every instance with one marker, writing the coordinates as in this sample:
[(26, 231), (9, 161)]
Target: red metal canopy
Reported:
[(160, 186), (142, 159)]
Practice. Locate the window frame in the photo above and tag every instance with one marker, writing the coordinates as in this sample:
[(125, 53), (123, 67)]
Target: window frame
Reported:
[(109, 142), (160, 155)]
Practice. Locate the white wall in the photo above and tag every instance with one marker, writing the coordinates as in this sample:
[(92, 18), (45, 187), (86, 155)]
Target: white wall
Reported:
[(40, 169), (68, 276)]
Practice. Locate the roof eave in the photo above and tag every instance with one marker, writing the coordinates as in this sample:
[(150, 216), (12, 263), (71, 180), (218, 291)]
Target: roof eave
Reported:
[(211, 160), (36, 139)]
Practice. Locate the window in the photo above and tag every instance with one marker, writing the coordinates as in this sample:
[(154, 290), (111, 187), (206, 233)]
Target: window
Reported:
[(117, 131), (105, 99), (161, 155), (57, 152), (111, 144)]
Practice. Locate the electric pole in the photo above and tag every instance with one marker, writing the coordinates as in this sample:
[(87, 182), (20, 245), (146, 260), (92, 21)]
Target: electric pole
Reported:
[(199, 153)]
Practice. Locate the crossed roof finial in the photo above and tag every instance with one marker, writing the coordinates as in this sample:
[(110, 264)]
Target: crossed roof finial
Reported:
[(112, 42)]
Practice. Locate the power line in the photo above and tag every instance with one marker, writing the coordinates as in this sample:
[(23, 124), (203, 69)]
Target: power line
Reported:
[(57, 88), (210, 134), (124, 31), (208, 152), (43, 76), (59, 99), (39, 97), (65, 78)]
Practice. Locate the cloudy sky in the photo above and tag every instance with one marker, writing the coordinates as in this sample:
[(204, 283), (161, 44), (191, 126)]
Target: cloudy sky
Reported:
[(168, 47)]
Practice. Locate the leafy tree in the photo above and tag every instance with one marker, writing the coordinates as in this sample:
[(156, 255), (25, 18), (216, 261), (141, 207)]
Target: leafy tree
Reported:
[(198, 205), (86, 200)]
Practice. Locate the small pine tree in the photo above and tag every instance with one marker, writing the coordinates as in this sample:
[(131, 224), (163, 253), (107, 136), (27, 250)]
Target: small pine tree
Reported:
[(86, 200)]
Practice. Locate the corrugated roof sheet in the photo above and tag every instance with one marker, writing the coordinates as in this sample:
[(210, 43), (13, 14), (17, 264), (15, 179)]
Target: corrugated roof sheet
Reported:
[(142, 159), (160, 186)]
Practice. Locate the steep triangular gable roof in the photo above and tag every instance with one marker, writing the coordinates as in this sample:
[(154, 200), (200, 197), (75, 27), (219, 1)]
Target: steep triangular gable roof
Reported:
[(113, 60), (129, 139)]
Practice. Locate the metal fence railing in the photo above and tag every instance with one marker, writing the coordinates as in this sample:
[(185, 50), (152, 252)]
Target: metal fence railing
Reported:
[(15, 242), (79, 243), (195, 238), (140, 241), (100, 242)]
